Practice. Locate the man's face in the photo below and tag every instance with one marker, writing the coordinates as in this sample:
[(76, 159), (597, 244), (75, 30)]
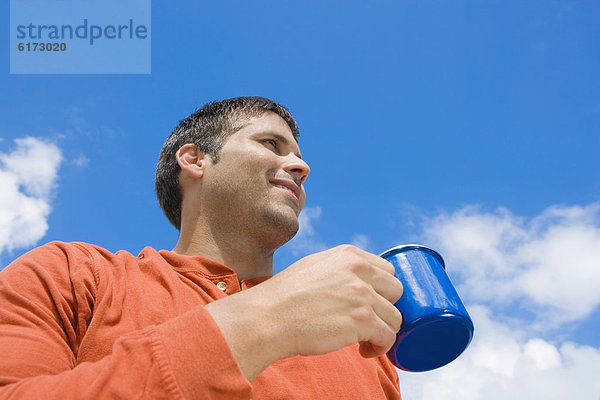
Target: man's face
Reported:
[(257, 183)]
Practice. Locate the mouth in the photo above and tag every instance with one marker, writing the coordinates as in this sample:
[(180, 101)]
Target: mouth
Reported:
[(287, 185)]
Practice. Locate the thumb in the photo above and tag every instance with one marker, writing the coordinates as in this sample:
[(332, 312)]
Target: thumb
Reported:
[(368, 350)]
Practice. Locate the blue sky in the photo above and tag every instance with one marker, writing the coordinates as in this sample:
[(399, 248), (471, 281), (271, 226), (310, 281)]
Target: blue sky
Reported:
[(470, 126)]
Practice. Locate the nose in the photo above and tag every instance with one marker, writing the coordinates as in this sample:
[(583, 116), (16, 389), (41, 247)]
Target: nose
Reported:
[(297, 167)]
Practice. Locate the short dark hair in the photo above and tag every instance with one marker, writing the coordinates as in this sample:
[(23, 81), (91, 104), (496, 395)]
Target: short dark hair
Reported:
[(207, 128)]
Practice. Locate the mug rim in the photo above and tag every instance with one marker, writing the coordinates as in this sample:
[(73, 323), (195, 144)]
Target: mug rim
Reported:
[(413, 246)]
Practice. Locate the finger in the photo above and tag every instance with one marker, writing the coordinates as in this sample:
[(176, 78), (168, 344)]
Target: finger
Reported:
[(380, 263), (367, 350), (379, 339), (383, 283), (365, 256), (380, 328), (387, 313)]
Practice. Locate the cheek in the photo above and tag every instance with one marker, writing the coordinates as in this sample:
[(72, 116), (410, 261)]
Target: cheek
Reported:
[(302, 198)]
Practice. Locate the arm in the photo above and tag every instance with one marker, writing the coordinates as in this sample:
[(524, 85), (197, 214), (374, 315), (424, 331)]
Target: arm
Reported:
[(320, 304), (42, 321)]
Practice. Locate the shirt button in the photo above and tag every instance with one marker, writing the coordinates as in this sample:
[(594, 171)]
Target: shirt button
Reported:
[(222, 286)]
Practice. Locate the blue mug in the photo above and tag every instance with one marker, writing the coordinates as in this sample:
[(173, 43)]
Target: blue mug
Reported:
[(436, 327)]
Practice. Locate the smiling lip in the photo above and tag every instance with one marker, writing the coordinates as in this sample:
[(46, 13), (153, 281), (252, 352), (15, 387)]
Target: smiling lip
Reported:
[(287, 184)]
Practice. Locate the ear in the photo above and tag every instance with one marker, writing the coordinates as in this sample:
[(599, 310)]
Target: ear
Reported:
[(191, 160)]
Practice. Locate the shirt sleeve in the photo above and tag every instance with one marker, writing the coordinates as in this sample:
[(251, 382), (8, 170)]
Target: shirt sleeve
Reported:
[(41, 325)]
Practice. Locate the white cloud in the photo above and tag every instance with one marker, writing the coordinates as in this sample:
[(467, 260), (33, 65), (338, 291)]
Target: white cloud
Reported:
[(305, 220), (35, 164), (306, 240), (81, 161), (522, 280), (76, 120), (543, 354), (28, 176), (502, 363), (550, 262), (361, 241)]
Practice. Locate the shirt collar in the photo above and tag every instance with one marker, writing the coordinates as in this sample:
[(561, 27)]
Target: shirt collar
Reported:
[(198, 264)]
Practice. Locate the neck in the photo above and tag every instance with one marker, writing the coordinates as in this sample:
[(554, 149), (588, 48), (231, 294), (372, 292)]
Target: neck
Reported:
[(233, 248)]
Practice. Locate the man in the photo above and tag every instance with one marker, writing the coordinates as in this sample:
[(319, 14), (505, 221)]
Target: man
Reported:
[(206, 320)]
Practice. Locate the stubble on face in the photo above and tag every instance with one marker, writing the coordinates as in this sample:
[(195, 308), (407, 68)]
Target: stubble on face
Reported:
[(246, 202), (251, 207)]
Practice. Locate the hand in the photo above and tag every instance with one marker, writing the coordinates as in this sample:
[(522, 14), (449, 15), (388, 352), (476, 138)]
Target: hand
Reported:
[(336, 298), (322, 303)]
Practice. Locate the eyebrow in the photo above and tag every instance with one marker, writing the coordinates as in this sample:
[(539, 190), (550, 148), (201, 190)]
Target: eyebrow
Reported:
[(282, 139)]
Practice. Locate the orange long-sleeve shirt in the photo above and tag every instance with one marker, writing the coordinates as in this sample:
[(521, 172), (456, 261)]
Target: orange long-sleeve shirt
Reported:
[(77, 321)]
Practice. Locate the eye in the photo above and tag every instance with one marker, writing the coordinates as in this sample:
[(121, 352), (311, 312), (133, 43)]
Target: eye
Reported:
[(271, 143)]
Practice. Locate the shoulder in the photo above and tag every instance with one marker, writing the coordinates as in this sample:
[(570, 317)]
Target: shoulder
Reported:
[(70, 251), (62, 253), (66, 259), (78, 265), (52, 259)]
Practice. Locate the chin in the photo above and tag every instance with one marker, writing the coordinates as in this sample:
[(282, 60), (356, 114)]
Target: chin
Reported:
[(281, 228)]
